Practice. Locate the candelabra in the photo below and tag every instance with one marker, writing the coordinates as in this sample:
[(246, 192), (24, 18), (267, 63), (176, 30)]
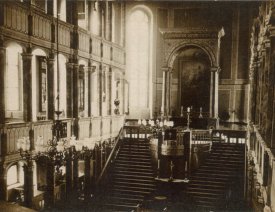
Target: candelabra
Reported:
[(188, 117)]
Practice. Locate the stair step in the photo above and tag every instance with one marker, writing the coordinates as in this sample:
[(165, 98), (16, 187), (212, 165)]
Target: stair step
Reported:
[(121, 167), (131, 191), (214, 169), (204, 194), (211, 181), (126, 179), (136, 188), (219, 167), (134, 157), (194, 184), (133, 176), (129, 165), (141, 163), (133, 172), (137, 151), (211, 190), (132, 196), (137, 184)]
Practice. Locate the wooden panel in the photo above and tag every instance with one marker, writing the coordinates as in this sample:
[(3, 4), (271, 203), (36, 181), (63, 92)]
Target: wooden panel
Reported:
[(106, 51), (84, 128), (242, 72), (162, 18), (96, 129), (240, 105), (42, 130), (84, 40), (14, 132), (118, 55), (106, 127), (16, 17), (224, 100), (96, 46), (41, 26), (64, 34)]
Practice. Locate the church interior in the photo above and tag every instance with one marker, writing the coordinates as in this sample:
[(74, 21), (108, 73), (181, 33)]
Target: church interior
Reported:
[(137, 105)]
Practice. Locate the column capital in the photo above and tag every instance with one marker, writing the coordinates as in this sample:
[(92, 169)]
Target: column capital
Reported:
[(215, 69), (69, 65), (166, 69), (26, 55)]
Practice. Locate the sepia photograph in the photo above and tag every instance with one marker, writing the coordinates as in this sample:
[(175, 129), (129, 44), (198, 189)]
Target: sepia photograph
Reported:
[(137, 106)]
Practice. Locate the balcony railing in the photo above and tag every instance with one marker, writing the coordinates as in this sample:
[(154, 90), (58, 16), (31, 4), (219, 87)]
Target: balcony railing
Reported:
[(95, 129), (29, 20)]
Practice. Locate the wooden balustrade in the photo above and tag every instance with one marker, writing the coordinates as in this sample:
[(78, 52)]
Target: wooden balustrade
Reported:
[(106, 50), (13, 133), (64, 33), (118, 55), (96, 46), (261, 164), (106, 127), (15, 17), (84, 128), (42, 130), (41, 26), (231, 136), (83, 40)]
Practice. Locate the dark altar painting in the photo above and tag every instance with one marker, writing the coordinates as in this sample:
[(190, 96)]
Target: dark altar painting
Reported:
[(195, 85)]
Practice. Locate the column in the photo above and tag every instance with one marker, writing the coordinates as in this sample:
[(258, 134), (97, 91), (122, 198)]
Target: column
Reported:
[(87, 176), (75, 176), (110, 92), (69, 87), (164, 90), (50, 198), (75, 99), (89, 70), (75, 90), (100, 90), (3, 182), (69, 175), (107, 18), (214, 94), (2, 84), (86, 91), (169, 83), (216, 105), (50, 87), (28, 183), (27, 85)]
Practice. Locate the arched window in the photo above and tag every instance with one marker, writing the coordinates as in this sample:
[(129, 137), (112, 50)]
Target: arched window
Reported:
[(138, 60)]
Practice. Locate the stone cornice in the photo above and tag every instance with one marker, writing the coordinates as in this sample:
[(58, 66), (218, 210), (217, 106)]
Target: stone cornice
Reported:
[(177, 33)]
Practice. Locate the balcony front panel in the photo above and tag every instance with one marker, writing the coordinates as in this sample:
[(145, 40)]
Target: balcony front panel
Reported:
[(41, 26), (42, 130), (84, 128), (96, 46), (106, 51), (117, 123), (14, 132), (96, 129), (64, 34), (84, 40), (118, 55), (15, 17), (106, 127)]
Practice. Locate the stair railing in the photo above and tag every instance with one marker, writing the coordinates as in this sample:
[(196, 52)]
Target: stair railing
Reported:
[(111, 157)]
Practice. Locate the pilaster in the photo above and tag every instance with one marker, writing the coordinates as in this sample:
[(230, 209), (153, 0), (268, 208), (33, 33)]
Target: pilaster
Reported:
[(2, 84), (27, 86), (28, 183), (50, 87), (69, 87)]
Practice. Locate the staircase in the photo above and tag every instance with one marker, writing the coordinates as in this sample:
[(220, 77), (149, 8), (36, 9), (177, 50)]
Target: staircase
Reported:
[(219, 180), (132, 178)]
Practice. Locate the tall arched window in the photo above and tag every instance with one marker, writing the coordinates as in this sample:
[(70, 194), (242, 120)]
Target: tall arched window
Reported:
[(138, 61)]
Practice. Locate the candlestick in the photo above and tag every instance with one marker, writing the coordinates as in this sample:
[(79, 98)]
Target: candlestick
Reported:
[(181, 111), (188, 109)]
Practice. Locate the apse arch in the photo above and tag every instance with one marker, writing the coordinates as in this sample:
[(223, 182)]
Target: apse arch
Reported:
[(176, 50)]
